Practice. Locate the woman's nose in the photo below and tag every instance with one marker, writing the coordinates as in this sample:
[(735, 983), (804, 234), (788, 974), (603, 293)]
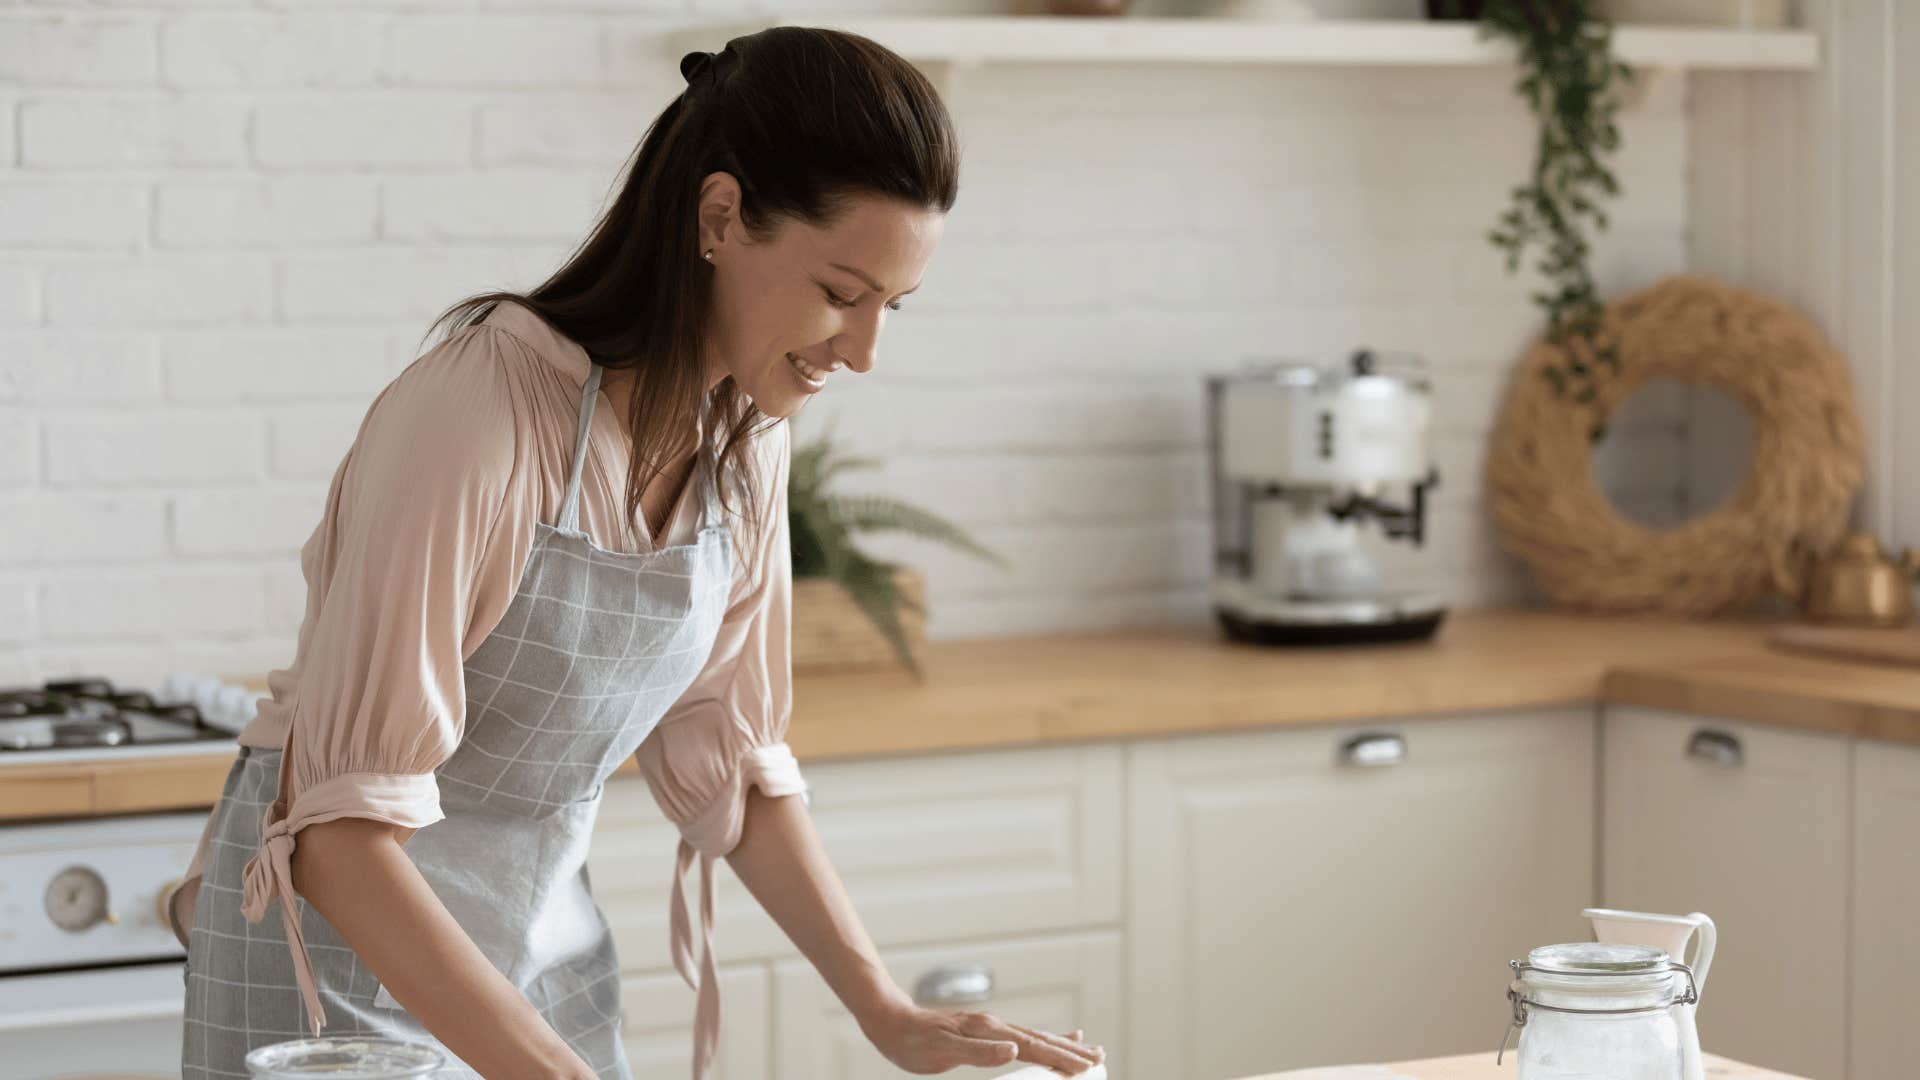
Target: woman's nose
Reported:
[(856, 355)]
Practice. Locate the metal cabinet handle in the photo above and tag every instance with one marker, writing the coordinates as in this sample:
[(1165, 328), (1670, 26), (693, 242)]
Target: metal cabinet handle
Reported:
[(1372, 750), (954, 984), (1719, 747)]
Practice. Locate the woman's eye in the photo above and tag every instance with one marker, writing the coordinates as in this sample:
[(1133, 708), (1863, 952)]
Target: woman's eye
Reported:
[(834, 299)]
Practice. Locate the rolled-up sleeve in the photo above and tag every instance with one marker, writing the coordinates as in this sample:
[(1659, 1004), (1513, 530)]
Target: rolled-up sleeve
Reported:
[(416, 560), (727, 733)]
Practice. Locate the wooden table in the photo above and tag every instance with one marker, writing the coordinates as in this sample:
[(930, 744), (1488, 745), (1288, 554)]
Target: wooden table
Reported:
[(1481, 1067)]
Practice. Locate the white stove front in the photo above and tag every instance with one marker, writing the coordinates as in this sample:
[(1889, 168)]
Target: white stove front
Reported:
[(91, 978), (121, 1023)]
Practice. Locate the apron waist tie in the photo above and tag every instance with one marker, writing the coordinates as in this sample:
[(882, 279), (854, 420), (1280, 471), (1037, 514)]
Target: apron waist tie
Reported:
[(706, 1011), (268, 877), (774, 770)]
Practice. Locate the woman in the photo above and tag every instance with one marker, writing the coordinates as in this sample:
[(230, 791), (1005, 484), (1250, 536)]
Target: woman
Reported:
[(491, 628)]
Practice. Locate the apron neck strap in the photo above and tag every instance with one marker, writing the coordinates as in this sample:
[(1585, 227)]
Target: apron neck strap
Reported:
[(570, 507), (706, 466)]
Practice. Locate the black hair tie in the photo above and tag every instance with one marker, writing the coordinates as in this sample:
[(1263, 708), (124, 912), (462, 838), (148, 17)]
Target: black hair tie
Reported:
[(694, 64)]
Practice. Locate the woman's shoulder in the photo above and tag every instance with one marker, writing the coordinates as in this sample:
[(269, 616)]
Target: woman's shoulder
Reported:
[(456, 412)]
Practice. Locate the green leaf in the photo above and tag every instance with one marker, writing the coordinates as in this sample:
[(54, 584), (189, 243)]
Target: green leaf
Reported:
[(872, 588), (878, 513)]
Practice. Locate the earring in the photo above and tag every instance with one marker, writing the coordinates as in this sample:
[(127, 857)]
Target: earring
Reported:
[(709, 255)]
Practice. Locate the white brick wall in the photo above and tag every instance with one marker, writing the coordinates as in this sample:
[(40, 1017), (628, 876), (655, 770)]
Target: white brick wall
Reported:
[(223, 226)]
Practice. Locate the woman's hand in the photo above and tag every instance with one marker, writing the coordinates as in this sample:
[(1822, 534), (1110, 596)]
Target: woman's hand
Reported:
[(922, 1040)]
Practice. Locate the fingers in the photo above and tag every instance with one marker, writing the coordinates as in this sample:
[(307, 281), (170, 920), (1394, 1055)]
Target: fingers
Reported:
[(1042, 1048), (1058, 1052), (1078, 1054), (990, 1052)]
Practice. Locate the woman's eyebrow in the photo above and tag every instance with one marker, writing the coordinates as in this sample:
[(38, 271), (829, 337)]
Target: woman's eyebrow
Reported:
[(871, 284)]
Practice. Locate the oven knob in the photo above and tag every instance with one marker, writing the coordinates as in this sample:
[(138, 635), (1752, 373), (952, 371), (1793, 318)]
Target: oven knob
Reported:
[(77, 899)]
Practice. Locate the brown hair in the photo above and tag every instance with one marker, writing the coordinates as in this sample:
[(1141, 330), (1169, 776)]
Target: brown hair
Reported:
[(806, 120)]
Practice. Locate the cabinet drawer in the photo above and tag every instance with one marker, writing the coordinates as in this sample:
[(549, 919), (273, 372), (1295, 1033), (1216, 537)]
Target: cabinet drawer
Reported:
[(656, 1025), (1053, 983), (930, 848)]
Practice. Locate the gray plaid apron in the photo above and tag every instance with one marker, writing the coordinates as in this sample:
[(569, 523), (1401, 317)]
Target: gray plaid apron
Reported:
[(592, 651)]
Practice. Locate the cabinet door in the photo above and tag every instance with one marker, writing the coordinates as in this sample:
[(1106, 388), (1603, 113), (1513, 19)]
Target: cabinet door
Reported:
[(930, 848), (656, 1025), (1291, 906), (1054, 982), (1886, 901), (1748, 824)]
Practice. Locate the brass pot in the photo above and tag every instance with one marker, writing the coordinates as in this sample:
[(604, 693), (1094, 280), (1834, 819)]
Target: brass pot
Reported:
[(1858, 583)]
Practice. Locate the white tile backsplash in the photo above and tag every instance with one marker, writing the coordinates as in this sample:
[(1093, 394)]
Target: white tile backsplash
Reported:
[(224, 226)]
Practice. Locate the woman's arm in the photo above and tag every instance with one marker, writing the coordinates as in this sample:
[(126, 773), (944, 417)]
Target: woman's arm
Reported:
[(782, 863), (356, 874)]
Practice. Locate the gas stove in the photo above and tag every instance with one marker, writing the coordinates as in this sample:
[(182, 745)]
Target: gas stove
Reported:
[(90, 970), (88, 717)]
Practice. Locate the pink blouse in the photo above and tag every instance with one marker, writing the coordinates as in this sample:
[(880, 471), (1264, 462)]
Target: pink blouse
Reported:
[(427, 526)]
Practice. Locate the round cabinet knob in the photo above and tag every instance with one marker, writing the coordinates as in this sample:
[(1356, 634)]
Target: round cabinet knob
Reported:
[(76, 899)]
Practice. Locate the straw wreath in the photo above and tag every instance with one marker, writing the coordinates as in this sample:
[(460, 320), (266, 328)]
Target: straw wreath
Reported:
[(1805, 462)]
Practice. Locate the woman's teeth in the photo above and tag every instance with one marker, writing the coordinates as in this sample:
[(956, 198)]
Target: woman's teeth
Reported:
[(808, 372)]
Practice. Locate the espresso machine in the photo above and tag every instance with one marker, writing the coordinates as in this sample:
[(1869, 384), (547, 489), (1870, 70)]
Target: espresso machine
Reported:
[(1306, 457)]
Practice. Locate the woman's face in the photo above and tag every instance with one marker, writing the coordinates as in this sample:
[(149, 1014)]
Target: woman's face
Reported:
[(819, 297)]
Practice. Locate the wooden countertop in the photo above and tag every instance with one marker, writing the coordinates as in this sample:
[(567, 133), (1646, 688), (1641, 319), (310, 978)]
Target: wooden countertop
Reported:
[(1481, 1067), (1007, 692)]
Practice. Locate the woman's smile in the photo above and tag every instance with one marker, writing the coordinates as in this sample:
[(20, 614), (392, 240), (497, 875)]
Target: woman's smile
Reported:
[(812, 378)]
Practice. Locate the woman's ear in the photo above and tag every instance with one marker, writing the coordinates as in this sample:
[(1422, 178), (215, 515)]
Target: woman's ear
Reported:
[(719, 212)]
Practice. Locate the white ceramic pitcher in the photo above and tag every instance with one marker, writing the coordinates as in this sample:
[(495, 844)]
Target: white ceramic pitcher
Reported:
[(1669, 932)]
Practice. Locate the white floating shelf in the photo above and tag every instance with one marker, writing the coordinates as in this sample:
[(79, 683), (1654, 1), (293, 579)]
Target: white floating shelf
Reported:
[(969, 40)]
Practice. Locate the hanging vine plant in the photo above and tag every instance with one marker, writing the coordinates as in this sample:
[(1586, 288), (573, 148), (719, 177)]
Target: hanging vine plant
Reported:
[(1572, 82)]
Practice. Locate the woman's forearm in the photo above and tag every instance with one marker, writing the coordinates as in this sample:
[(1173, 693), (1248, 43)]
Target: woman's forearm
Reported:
[(783, 864), (356, 874)]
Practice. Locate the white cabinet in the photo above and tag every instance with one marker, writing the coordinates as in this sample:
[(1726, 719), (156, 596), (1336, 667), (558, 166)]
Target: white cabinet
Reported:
[(1748, 824), (1317, 895), (656, 1014), (930, 848), (1011, 860), (1886, 910), (1289, 907), (1054, 982)]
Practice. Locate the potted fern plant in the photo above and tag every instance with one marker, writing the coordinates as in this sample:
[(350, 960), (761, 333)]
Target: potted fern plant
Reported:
[(851, 610)]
